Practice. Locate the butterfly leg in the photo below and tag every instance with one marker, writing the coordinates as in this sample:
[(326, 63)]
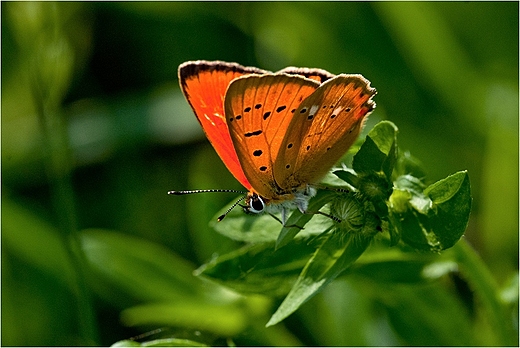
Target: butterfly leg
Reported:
[(332, 217), (284, 215), (284, 223), (276, 218)]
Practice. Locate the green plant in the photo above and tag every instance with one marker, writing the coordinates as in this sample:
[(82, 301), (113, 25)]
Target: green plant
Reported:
[(373, 200), (399, 240), (94, 130)]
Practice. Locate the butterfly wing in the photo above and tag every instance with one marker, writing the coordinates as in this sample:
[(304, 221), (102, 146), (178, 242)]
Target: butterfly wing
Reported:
[(259, 109), (204, 85), (319, 75), (323, 128)]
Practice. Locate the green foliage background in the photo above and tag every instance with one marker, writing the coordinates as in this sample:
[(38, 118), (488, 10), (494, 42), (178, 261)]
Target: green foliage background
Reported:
[(95, 131)]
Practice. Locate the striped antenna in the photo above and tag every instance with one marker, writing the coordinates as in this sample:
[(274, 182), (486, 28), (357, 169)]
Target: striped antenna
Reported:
[(178, 193), (221, 217)]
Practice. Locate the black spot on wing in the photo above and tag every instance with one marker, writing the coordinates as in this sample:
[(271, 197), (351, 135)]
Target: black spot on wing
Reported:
[(251, 134), (281, 108)]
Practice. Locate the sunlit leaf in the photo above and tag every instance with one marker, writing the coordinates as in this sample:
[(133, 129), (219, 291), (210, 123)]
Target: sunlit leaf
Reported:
[(349, 176), (222, 319), (379, 151), (337, 253), (162, 342), (401, 268), (452, 205), (260, 269)]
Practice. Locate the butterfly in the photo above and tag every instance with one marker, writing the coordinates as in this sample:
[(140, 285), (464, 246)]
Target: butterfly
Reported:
[(277, 133)]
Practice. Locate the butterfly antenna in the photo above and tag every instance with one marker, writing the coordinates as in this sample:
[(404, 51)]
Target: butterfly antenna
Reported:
[(221, 217), (178, 193)]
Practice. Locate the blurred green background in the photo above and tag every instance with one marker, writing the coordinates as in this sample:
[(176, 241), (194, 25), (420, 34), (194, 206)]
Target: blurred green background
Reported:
[(95, 131)]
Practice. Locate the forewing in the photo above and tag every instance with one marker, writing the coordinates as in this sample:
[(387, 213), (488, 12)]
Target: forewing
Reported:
[(204, 85), (323, 128), (319, 75), (259, 109)]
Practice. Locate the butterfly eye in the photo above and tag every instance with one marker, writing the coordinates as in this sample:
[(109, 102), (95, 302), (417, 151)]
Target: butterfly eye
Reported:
[(255, 204)]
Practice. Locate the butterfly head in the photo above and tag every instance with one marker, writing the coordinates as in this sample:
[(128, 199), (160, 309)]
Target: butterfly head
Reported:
[(254, 203)]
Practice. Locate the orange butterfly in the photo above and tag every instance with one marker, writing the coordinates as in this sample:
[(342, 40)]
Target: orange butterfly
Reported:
[(277, 133)]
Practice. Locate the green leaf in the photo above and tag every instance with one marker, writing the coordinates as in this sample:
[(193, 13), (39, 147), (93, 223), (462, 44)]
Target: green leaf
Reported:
[(173, 342), (337, 253), (137, 268), (379, 151), (348, 176), (259, 268), (394, 228), (435, 219), (391, 266), (391, 159), (126, 343), (445, 189), (298, 220), (409, 190), (426, 315), (220, 318), (503, 328), (248, 228), (263, 228), (452, 205), (24, 233), (333, 181), (408, 165), (415, 231), (409, 183), (369, 158)]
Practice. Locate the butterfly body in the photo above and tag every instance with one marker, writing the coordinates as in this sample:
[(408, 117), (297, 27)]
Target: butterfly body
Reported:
[(277, 133)]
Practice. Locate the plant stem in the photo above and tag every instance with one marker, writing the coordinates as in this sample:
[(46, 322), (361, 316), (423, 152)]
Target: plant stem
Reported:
[(57, 162), (485, 286)]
